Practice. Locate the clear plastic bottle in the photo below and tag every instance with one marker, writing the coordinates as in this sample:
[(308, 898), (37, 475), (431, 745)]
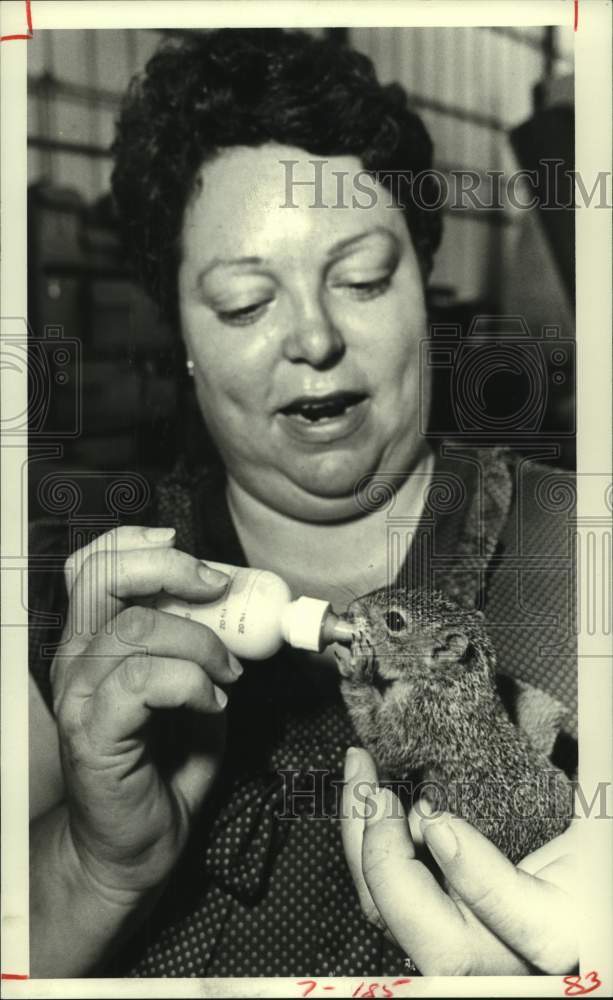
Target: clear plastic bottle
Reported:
[(256, 614)]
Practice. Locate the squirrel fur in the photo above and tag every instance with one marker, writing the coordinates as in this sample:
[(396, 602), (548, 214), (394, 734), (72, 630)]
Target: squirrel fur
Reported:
[(419, 686)]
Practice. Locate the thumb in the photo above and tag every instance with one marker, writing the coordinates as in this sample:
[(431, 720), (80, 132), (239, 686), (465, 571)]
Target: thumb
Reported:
[(206, 746), (414, 908), (530, 915), (387, 843)]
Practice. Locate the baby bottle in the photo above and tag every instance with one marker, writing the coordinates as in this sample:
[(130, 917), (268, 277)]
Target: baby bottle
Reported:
[(256, 614)]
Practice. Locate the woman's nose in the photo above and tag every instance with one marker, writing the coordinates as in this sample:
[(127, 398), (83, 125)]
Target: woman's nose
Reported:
[(314, 337)]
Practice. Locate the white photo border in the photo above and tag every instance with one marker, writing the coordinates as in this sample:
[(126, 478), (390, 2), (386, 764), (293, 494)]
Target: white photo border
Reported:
[(594, 450)]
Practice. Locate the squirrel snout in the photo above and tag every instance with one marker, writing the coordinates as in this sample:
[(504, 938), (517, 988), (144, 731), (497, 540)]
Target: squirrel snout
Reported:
[(355, 610), (357, 615)]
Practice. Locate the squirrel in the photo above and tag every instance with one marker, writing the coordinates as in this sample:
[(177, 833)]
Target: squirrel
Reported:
[(419, 684)]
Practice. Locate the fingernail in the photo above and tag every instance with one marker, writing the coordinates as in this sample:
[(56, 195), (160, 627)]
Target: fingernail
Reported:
[(441, 840), (220, 696), (426, 810), (234, 665), (212, 577), (159, 534), (352, 763)]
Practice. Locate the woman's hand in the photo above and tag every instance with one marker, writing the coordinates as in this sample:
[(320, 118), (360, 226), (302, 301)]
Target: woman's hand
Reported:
[(492, 918), (134, 773)]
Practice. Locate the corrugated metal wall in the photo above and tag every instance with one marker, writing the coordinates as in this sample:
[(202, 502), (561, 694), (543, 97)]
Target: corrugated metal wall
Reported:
[(76, 79), (470, 85)]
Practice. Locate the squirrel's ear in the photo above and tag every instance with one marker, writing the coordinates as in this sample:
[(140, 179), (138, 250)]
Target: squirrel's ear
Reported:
[(453, 646), (457, 642)]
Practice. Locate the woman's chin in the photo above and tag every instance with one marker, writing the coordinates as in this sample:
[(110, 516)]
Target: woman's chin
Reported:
[(324, 486), (317, 508), (330, 480)]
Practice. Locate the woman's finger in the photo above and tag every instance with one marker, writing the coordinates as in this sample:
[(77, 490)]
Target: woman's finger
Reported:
[(563, 845), (360, 781), (126, 536), (107, 580), (167, 570), (424, 921), (139, 630), (145, 630), (141, 684), (532, 916)]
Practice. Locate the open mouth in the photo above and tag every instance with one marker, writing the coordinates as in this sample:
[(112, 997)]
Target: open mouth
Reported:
[(356, 661), (312, 409), (359, 663)]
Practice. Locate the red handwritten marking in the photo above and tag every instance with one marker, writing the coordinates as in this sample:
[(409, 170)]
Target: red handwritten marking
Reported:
[(576, 24), (363, 990), (575, 988), (303, 982), (12, 975), (10, 38)]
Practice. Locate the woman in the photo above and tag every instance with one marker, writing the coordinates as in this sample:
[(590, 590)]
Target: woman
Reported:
[(301, 307)]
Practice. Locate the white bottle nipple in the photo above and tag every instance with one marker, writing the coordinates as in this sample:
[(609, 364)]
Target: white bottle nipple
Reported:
[(302, 623)]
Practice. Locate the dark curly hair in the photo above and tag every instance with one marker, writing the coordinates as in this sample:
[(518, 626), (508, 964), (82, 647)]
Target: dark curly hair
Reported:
[(232, 87)]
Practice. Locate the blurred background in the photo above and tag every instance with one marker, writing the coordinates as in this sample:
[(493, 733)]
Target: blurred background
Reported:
[(493, 99)]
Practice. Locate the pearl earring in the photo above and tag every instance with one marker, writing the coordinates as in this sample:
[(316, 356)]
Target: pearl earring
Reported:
[(189, 364)]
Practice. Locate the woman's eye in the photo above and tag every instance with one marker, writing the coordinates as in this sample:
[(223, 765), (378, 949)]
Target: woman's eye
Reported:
[(395, 621), (363, 290), (243, 316)]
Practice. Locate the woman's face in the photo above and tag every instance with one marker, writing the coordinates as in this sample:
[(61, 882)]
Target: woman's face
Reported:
[(303, 324)]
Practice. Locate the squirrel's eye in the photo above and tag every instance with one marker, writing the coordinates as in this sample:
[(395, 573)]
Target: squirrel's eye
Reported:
[(395, 621)]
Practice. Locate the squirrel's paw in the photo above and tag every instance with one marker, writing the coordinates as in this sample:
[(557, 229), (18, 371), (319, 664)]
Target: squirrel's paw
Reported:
[(358, 663)]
